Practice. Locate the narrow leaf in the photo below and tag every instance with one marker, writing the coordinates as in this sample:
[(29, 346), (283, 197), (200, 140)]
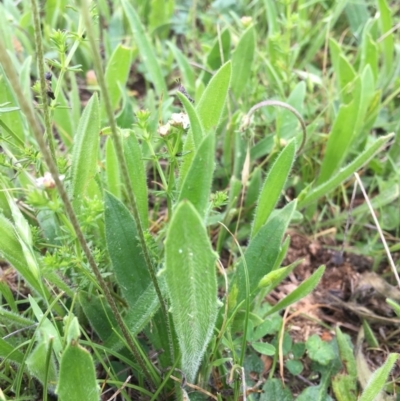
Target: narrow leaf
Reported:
[(264, 348), (125, 250), (137, 175), (386, 24), (197, 183), (146, 49), (14, 119), (263, 250), (138, 315), (112, 169), (192, 285), (185, 68), (212, 102), (222, 45), (85, 150), (195, 123), (300, 292), (344, 173), (273, 186), (99, 314), (117, 71), (378, 379), (339, 141), (242, 61)]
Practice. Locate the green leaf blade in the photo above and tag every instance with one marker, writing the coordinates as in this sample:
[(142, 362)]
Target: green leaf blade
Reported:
[(242, 60), (85, 151), (273, 186), (197, 183), (137, 174), (146, 49), (362, 159), (77, 375), (212, 102), (192, 285), (125, 250), (117, 71), (263, 250), (378, 379)]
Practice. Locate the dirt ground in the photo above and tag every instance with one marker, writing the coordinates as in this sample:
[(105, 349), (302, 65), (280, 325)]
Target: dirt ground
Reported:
[(348, 293)]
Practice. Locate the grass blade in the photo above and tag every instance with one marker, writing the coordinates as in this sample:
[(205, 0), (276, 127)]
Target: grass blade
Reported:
[(345, 173), (339, 141), (146, 49)]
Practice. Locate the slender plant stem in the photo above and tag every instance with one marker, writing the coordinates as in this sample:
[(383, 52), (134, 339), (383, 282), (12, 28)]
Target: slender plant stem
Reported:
[(378, 227), (27, 109), (277, 103), (43, 92), (121, 158)]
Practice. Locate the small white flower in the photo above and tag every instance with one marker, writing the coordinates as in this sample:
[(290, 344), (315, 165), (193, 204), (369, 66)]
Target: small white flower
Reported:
[(180, 120), (246, 20), (47, 181), (164, 130)]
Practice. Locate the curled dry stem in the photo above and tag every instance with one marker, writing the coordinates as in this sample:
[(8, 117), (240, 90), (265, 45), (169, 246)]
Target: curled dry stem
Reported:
[(264, 103)]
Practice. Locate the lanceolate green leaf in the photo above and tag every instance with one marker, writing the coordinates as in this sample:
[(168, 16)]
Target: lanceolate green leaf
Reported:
[(117, 71), (193, 139), (242, 61), (125, 250), (192, 285), (219, 52), (273, 186), (197, 183), (385, 21), (344, 383), (378, 379), (137, 175), (212, 102), (345, 173), (138, 315), (77, 379), (339, 140), (85, 151), (112, 169), (145, 47), (184, 66), (99, 314), (263, 250)]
